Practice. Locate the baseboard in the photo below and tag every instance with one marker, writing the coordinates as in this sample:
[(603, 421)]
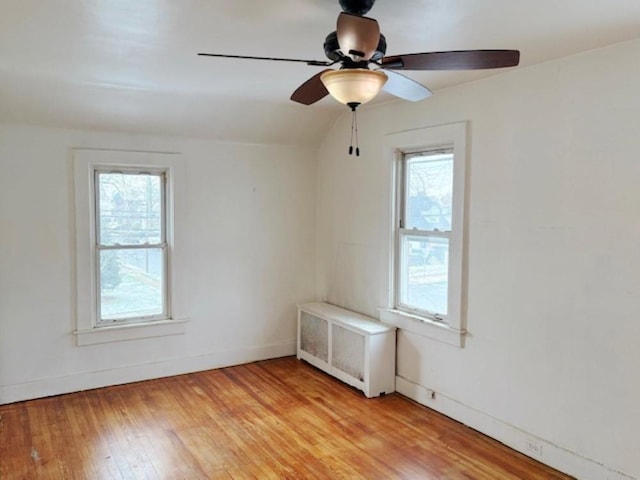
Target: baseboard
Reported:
[(47, 387), (543, 451)]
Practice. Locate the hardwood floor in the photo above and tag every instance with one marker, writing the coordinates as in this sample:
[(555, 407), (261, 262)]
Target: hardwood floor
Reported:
[(278, 419)]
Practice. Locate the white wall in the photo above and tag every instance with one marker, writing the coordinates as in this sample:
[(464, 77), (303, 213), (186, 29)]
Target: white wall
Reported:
[(554, 265), (250, 235)]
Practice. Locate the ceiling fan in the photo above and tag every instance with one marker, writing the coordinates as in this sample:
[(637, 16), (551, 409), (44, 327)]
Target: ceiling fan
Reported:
[(359, 47)]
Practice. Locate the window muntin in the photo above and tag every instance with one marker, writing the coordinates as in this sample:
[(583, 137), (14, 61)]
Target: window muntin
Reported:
[(424, 233), (131, 250)]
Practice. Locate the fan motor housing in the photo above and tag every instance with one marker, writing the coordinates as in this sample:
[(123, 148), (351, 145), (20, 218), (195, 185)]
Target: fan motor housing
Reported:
[(333, 52), (357, 7)]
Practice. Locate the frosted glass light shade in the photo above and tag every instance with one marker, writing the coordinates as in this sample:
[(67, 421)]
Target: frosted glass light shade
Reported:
[(353, 85)]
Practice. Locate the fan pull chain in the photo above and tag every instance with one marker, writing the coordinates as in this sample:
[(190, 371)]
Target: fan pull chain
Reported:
[(354, 129), (351, 141)]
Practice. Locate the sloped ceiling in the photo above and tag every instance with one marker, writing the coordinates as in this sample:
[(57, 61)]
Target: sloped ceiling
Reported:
[(131, 66)]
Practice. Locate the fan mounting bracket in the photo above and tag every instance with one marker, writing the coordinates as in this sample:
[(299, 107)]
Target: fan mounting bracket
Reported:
[(348, 63)]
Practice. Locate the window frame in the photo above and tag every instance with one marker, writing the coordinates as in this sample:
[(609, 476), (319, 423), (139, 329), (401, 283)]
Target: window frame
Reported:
[(90, 329), (451, 328), (162, 245), (402, 231)]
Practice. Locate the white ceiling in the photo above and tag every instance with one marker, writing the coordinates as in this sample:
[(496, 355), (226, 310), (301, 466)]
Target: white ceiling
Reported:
[(132, 66)]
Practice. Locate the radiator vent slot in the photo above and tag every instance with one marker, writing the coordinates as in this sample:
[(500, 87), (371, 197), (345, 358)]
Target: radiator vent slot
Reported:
[(314, 336), (348, 351)]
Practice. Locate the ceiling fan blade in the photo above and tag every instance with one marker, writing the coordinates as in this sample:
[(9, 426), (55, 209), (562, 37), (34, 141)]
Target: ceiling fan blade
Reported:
[(358, 36), (404, 87), (454, 60), (311, 91), (320, 63)]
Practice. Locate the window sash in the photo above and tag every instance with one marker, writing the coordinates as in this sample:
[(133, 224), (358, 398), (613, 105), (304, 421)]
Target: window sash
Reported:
[(162, 174), (164, 288), (406, 157), (403, 275)]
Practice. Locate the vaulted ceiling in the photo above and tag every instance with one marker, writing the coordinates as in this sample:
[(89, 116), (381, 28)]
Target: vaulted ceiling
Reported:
[(131, 66)]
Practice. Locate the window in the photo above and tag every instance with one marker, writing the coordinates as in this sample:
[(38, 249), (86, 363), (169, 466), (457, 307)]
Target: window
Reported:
[(424, 233), (427, 248), (131, 247), (130, 266)]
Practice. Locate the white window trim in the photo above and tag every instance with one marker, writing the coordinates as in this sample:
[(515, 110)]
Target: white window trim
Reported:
[(88, 330), (453, 135)]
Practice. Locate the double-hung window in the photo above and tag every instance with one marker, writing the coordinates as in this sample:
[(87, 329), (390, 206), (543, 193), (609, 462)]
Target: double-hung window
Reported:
[(427, 287), (424, 233), (130, 260), (131, 247)]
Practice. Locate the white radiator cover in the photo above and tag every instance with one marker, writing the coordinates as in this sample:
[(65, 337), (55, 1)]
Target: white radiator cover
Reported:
[(354, 348)]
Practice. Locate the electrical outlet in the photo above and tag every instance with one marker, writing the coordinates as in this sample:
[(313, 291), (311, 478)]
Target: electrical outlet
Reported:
[(533, 447)]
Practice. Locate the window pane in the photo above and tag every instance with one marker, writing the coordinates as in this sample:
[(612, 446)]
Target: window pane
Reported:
[(424, 273), (130, 209), (131, 283), (429, 191)]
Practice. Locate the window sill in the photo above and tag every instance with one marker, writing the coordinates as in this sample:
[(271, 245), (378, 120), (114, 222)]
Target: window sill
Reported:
[(423, 326), (120, 333)]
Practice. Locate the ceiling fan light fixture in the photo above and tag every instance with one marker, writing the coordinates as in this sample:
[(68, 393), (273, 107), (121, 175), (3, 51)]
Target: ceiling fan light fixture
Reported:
[(353, 85)]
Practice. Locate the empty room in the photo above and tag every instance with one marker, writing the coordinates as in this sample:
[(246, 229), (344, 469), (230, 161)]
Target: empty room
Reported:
[(319, 239)]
